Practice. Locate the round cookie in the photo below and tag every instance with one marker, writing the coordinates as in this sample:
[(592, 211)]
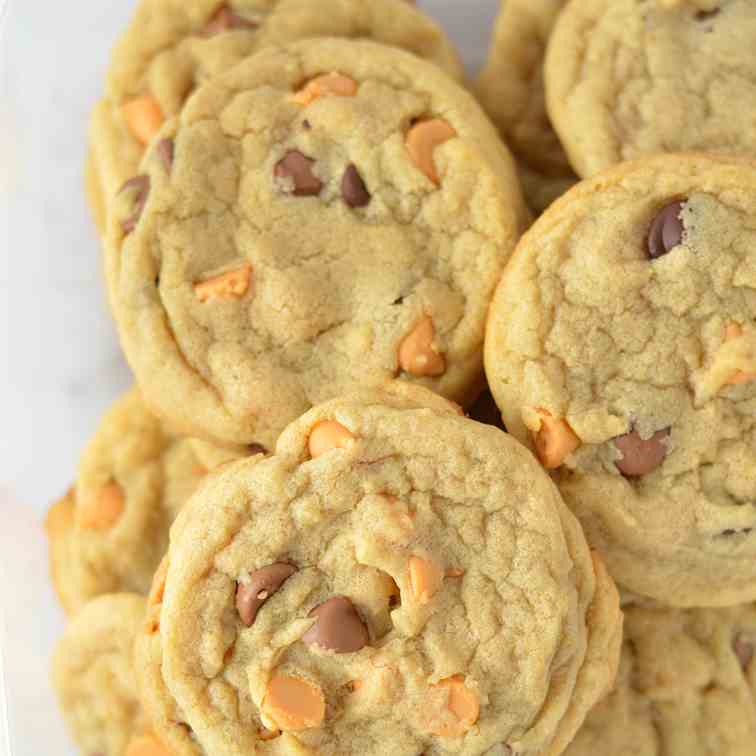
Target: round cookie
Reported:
[(686, 687), (172, 46), (621, 346), (510, 88), (628, 78), (93, 677), (110, 531), (297, 234), (396, 579)]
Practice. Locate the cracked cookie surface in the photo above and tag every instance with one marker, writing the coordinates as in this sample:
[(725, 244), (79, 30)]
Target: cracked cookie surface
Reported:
[(93, 675), (627, 78), (110, 531), (396, 579), (510, 88), (686, 687), (621, 346), (327, 215), (173, 46)]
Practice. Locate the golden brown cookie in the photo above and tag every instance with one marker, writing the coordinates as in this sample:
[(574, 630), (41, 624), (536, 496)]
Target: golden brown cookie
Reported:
[(327, 215), (621, 346)]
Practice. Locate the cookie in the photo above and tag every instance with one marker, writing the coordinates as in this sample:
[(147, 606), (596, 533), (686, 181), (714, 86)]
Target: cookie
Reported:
[(93, 677), (510, 88), (396, 579), (686, 687), (296, 234), (111, 530), (172, 46), (628, 78), (621, 347)]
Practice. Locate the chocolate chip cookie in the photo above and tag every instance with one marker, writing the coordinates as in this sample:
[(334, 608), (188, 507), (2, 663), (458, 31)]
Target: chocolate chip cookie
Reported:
[(510, 88), (172, 46), (686, 687), (396, 579), (93, 677), (621, 347), (627, 78), (327, 215), (110, 531)]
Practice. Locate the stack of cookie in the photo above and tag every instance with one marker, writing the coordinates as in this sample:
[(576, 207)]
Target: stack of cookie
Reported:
[(290, 538)]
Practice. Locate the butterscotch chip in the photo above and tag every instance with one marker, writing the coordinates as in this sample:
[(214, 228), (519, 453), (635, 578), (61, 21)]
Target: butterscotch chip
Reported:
[(375, 220), (328, 85), (615, 348), (423, 139), (418, 353), (231, 285), (328, 435), (328, 594), (144, 118)]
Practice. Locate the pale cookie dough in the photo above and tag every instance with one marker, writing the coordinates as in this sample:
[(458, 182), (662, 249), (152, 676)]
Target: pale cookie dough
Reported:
[(110, 531), (93, 677), (395, 580), (328, 215), (173, 46), (510, 88), (621, 346), (686, 687), (627, 78)]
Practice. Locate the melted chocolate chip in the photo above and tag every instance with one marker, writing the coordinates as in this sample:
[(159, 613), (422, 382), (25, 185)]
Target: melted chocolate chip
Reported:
[(297, 169), (165, 153), (338, 627), (353, 188), (744, 650), (263, 583), (707, 15), (139, 188), (641, 456), (224, 19), (666, 231)]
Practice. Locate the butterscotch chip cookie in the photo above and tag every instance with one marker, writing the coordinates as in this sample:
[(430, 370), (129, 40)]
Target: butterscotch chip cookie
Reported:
[(325, 216), (510, 88), (621, 347), (686, 687), (627, 78), (173, 46), (110, 531), (396, 579), (93, 676)]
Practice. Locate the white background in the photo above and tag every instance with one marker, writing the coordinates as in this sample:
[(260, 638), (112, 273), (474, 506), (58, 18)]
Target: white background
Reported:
[(61, 366)]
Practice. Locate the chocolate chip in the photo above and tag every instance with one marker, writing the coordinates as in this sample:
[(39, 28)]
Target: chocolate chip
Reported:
[(224, 19), (338, 628), (641, 456), (666, 231), (165, 153), (263, 583), (744, 650), (257, 449), (707, 15), (139, 187), (297, 168), (353, 188)]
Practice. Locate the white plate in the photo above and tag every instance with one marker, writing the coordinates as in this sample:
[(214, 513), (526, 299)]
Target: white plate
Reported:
[(62, 366)]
